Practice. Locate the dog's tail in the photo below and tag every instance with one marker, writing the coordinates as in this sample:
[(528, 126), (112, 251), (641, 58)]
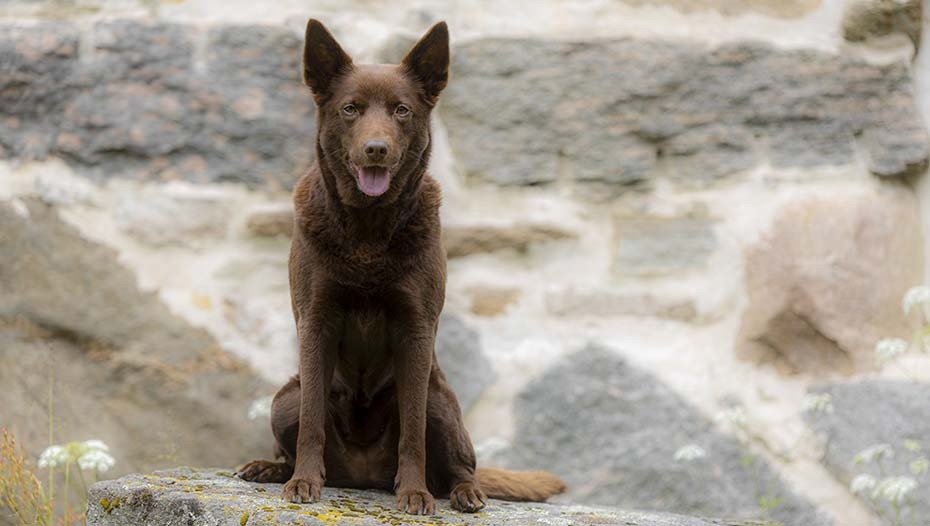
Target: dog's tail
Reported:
[(523, 486)]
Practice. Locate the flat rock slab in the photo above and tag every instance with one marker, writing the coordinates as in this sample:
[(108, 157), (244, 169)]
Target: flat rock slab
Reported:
[(210, 497)]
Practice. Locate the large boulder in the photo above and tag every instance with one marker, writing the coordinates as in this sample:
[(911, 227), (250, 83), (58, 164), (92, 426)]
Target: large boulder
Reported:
[(872, 413), (825, 284), (611, 431), (623, 112), (116, 363), (215, 498), (468, 370)]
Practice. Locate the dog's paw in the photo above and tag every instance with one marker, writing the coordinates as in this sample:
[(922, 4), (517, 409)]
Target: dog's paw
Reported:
[(467, 497), (301, 491), (265, 472), (416, 502)]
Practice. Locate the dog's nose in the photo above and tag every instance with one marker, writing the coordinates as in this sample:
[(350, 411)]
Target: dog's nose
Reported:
[(376, 151)]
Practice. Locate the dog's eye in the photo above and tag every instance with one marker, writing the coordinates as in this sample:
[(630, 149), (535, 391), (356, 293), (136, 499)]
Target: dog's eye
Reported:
[(349, 110), (401, 110)]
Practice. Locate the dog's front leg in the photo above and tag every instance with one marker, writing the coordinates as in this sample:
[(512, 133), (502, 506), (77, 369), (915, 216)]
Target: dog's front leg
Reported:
[(413, 354), (317, 338)]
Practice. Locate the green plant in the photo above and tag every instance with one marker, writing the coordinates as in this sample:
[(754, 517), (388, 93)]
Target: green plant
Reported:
[(889, 495)]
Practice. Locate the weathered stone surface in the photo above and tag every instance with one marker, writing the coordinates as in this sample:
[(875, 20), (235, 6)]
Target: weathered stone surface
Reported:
[(214, 498), (778, 8), (140, 107), (38, 72), (871, 412), (468, 370), (271, 221), (650, 246), (492, 301), (826, 283), (611, 432), (606, 303), (124, 368), (864, 19), (519, 113), (159, 216), (467, 240)]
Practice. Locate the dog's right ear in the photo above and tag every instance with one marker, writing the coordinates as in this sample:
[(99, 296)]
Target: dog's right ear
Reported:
[(324, 59)]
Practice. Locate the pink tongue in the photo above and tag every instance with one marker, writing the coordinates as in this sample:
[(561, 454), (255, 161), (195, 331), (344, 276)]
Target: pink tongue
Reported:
[(373, 180)]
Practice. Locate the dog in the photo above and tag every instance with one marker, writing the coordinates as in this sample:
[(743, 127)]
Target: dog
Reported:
[(370, 407)]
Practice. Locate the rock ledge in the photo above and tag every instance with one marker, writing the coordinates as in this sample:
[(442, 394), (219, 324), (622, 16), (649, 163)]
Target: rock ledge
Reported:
[(214, 497)]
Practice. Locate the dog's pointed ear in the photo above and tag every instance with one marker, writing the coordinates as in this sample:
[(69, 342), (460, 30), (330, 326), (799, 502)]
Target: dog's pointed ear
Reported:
[(428, 61), (324, 59)]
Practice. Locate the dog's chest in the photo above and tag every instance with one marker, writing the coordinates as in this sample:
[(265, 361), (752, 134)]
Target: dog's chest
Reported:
[(365, 363)]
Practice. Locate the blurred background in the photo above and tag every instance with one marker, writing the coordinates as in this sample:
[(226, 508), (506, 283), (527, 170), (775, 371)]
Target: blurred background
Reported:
[(686, 239)]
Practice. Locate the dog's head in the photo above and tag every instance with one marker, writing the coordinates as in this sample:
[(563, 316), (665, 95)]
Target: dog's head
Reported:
[(373, 135)]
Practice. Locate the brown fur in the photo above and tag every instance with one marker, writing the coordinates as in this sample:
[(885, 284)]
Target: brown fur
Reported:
[(370, 407)]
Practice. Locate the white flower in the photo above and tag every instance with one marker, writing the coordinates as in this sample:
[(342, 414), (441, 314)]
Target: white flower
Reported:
[(95, 445), (54, 456), (260, 407), (915, 296), (735, 416), (914, 446), (689, 452), (818, 403), (894, 489), (862, 483), (889, 348), (873, 453), (96, 460)]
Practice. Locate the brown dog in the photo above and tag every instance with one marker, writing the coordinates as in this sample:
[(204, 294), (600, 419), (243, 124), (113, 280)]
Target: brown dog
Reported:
[(370, 407)]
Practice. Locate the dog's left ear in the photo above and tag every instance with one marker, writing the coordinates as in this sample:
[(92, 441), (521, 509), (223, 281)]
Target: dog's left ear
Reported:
[(428, 61)]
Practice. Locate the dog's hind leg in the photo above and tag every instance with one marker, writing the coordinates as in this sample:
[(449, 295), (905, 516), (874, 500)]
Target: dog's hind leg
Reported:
[(450, 457), (284, 425)]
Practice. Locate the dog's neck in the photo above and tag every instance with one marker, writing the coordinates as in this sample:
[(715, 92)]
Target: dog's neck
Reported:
[(374, 225)]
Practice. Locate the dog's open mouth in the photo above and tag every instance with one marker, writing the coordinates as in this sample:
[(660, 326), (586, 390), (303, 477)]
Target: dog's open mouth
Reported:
[(373, 180)]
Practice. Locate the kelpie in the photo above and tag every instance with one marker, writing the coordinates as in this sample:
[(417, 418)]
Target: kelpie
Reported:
[(370, 407)]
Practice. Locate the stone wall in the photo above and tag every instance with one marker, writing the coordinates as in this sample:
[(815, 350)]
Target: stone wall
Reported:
[(656, 213)]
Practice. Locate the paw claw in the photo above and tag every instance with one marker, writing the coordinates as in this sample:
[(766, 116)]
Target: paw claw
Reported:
[(301, 491), (467, 497), (416, 502)]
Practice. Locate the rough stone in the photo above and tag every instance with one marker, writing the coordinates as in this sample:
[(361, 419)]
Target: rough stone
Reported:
[(141, 107), (467, 240), (38, 73), (865, 19), (777, 8), (271, 221), (214, 498), (652, 246), (517, 114), (871, 412), (490, 301), (468, 370), (825, 284), (612, 431), (605, 303), (123, 368), (158, 217)]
